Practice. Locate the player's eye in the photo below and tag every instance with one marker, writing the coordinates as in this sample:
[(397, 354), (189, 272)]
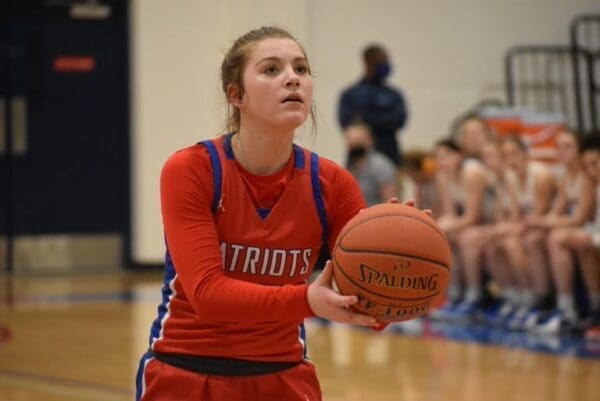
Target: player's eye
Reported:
[(271, 70), (302, 69)]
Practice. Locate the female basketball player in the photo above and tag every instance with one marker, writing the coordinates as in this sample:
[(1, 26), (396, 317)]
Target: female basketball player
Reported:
[(570, 235), (463, 185), (471, 134), (534, 187), (245, 216), (478, 243)]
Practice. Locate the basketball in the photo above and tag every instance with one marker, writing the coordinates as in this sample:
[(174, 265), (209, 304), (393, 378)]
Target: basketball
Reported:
[(396, 259)]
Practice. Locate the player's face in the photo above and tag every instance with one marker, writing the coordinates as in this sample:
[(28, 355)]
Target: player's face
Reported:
[(277, 86), (447, 159), (514, 157), (590, 161), (473, 136), (491, 158), (566, 148)]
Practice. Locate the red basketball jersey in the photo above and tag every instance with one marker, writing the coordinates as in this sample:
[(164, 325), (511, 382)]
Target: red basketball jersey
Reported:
[(236, 273)]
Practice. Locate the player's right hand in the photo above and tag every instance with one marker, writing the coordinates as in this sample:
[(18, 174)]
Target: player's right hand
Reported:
[(325, 302)]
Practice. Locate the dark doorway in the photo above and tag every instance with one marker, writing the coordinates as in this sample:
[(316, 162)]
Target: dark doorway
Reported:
[(64, 158)]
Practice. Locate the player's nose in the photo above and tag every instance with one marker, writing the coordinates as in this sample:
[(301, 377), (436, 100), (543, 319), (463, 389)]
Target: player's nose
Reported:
[(292, 78)]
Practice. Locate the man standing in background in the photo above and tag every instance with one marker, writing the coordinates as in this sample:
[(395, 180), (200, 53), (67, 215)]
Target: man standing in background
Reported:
[(376, 104)]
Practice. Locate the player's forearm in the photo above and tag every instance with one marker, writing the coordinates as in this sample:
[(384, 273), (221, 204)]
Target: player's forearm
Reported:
[(223, 298)]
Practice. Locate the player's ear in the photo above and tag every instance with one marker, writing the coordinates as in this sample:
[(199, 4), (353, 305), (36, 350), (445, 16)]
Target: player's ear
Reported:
[(234, 95)]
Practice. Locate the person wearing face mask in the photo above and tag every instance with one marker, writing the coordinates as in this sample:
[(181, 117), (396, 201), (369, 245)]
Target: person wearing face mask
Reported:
[(378, 105), (373, 171)]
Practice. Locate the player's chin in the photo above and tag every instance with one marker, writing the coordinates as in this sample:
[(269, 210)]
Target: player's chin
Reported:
[(292, 120)]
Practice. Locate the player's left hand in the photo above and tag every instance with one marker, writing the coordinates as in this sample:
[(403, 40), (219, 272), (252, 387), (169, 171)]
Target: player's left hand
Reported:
[(411, 203)]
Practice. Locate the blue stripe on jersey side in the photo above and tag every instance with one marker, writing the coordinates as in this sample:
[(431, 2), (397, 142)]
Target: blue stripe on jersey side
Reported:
[(217, 173), (317, 194), (227, 146), (166, 294), (299, 159), (139, 377), (303, 340)]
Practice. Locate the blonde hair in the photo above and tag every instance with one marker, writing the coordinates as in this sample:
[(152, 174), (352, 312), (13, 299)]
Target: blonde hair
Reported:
[(235, 61)]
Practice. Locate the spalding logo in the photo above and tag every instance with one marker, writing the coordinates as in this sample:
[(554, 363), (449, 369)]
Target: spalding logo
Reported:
[(371, 275)]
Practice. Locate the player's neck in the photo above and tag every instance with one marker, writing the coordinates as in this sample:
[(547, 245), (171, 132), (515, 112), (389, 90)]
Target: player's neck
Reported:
[(260, 152)]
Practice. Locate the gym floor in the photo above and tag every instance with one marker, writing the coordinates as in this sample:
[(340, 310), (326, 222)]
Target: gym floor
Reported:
[(80, 337)]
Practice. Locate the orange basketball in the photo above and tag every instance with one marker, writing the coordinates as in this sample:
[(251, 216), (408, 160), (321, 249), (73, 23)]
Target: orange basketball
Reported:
[(396, 259)]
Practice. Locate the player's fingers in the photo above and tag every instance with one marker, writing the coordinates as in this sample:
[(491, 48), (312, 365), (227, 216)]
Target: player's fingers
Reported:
[(393, 200), (428, 212), (343, 300), (410, 202), (360, 319)]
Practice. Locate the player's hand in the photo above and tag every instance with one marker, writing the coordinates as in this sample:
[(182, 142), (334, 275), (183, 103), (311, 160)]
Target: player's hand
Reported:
[(325, 302), (411, 203)]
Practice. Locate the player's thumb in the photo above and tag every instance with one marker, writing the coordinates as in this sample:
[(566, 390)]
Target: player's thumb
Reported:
[(325, 277)]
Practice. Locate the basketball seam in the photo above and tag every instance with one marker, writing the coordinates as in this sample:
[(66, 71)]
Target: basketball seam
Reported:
[(435, 262), (375, 293)]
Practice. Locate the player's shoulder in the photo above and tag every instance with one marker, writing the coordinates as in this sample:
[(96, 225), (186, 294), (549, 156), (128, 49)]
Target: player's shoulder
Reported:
[(328, 166), (334, 176), (194, 157)]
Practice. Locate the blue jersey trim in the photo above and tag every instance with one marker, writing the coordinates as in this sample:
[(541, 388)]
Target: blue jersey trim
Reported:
[(227, 146), (139, 377), (317, 194), (299, 159), (166, 294), (303, 337), (263, 212), (217, 172)]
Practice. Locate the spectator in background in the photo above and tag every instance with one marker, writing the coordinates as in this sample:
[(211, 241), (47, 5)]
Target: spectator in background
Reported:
[(378, 105), (375, 174)]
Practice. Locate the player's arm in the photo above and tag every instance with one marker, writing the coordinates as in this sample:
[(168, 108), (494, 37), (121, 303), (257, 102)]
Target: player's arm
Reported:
[(342, 197), (445, 201), (559, 204), (583, 212), (344, 200), (514, 211), (474, 181), (543, 191)]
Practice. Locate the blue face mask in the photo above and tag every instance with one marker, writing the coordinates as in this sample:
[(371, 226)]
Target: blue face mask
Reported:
[(382, 71)]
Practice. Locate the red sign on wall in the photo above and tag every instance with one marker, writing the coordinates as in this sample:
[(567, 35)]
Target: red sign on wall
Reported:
[(74, 64)]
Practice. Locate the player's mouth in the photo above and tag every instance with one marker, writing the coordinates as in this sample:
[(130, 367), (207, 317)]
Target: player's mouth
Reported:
[(294, 97)]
